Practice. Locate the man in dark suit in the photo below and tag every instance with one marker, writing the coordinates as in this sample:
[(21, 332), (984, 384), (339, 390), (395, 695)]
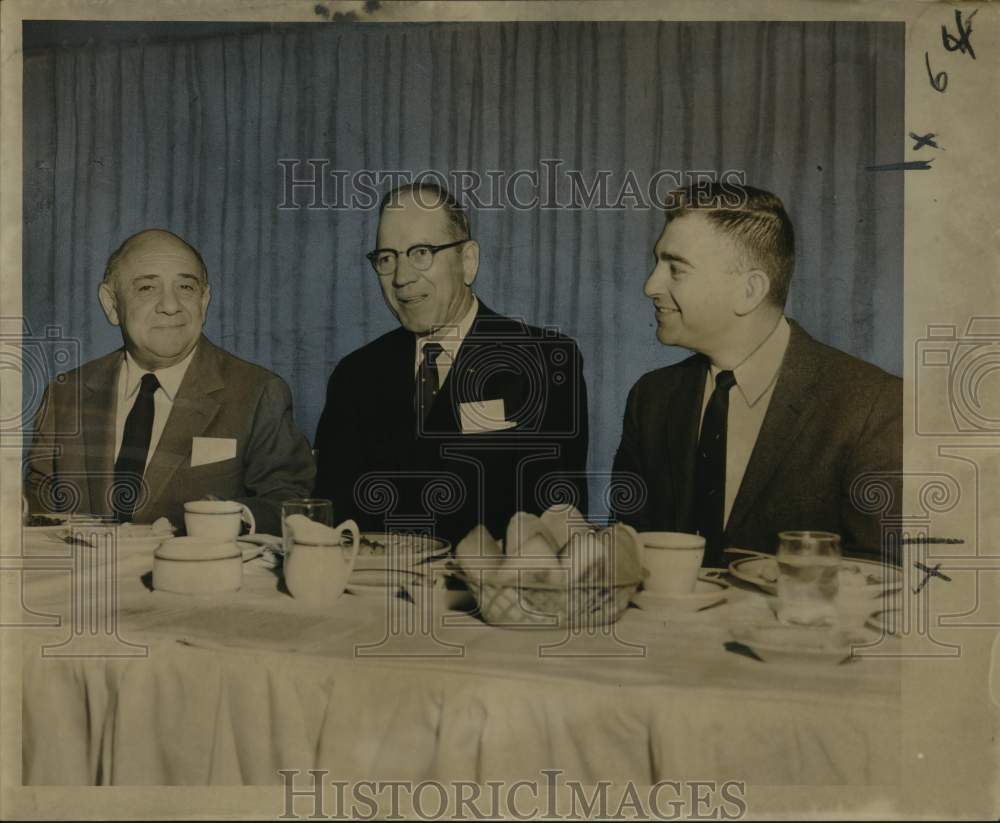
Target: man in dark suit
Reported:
[(171, 417), (461, 416), (764, 429)]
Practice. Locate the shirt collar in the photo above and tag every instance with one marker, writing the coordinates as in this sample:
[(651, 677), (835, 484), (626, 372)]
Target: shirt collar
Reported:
[(755, 375), (450, 337), (170, 378)]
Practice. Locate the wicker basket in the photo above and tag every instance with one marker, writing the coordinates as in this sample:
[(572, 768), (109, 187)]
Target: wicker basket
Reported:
[(552, 606)]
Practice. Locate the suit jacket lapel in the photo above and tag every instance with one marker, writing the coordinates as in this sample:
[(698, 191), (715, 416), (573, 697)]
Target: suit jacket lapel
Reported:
[(444, 414), (99, 408), (400, 387), (790, 407), (194, 408), (683, 421)]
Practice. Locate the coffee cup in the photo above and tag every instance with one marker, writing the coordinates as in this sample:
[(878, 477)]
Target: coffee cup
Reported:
[(217, 519), (673, 560)]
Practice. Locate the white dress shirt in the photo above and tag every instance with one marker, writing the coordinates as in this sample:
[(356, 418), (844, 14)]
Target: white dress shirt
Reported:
[(450, 338), (129, 378), (748, 402)]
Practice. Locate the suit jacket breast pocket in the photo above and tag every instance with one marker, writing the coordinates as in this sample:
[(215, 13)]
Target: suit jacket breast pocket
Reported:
[(223, 472), (485, 417)]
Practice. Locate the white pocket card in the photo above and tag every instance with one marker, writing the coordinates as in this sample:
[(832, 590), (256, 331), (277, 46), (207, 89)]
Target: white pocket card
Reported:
[(484, 416), (206, 450)]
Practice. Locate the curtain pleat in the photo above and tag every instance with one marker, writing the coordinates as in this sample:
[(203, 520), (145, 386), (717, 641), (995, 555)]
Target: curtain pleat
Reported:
[(188, 134)]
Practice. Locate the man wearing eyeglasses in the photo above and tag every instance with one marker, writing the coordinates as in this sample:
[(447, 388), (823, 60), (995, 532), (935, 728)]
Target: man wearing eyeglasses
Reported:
[(461, 416)]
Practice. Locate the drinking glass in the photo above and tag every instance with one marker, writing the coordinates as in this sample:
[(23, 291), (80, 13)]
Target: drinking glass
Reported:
[(316, 509), (808, 565)]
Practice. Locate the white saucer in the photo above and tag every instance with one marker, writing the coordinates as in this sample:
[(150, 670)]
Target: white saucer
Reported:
[(707, 592), (797, 644)]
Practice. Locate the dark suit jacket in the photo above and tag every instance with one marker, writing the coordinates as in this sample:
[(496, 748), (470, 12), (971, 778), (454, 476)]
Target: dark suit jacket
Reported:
[(833, 421), (379, 467), (71, 462)]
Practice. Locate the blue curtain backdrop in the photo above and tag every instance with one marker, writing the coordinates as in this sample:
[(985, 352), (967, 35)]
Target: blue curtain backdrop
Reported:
[(125, 130)]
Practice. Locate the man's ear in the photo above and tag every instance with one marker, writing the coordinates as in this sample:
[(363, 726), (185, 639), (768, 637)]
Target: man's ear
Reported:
[(206, 298), (109, 302), (470, 261), (754, 290)]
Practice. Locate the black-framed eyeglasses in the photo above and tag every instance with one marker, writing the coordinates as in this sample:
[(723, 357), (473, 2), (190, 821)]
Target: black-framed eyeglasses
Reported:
[(384, 261)]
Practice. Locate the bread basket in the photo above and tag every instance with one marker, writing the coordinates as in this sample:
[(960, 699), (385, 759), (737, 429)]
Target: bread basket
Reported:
[(524, 603)]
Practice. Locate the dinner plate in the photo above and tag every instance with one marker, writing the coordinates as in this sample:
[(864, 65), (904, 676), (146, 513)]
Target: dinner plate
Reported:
[(123, 541), (42, 531), (707, 592), (53, 528), (798, 644), (375, 553), (762, 571), (378, 583)]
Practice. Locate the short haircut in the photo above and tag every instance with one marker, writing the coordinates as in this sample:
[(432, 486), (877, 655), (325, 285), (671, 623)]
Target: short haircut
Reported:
[(117, 254), (755, 219), (429, 195)]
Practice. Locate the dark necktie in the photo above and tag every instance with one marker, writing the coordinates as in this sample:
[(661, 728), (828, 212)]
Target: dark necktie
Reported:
[(428, 381), (131, 462), (710, 471)]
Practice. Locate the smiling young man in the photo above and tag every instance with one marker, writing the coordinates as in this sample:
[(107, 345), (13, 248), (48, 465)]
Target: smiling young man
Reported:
[(460, 416), (170, 417), (764, 429)]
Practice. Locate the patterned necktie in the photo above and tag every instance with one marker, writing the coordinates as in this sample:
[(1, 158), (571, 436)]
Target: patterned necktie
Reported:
[(131, 462), (428, 381), (710, 471)]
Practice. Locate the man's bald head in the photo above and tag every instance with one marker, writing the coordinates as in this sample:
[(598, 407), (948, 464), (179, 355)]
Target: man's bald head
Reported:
[(149, 240)]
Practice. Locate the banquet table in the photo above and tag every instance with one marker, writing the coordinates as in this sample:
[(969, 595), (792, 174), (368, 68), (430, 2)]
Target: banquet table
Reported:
[(154, 688)]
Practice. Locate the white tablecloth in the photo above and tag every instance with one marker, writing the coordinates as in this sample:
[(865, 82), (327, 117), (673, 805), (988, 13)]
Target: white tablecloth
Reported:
[(230, 689)]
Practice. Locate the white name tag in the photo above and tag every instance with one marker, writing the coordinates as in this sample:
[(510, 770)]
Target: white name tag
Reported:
[(212, 450), (483, 416)]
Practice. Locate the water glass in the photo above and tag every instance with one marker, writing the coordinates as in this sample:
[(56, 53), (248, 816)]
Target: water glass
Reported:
[(808, 565)]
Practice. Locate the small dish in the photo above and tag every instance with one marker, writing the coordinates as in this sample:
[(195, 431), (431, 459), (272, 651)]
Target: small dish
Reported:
[(799, 644), (708, 591)]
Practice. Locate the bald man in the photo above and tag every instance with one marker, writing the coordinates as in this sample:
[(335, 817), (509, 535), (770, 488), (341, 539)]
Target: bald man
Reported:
[(170, 417)]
